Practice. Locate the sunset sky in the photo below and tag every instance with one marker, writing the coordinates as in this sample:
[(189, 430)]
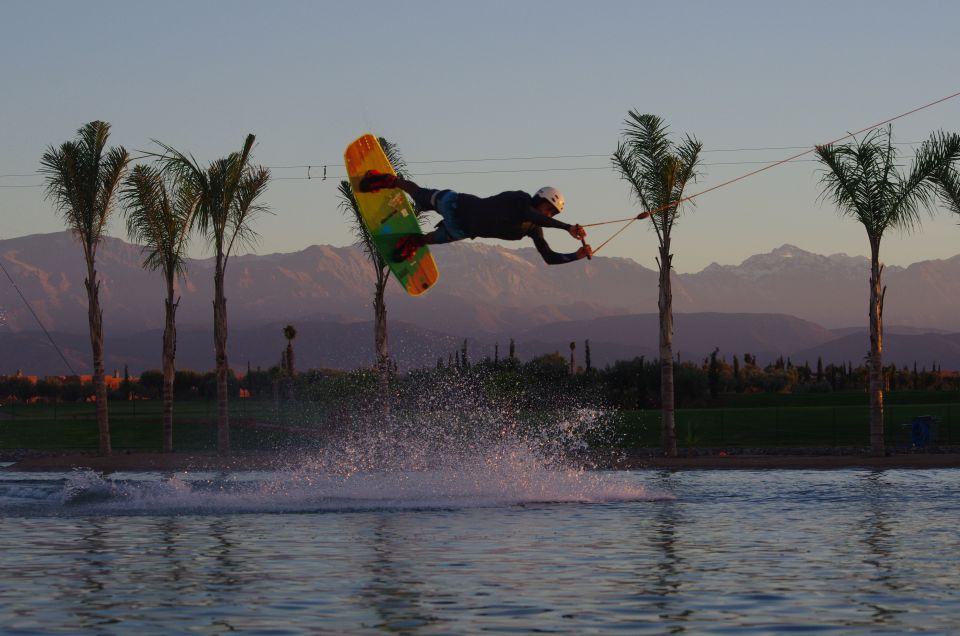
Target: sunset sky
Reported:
[(469, 89)]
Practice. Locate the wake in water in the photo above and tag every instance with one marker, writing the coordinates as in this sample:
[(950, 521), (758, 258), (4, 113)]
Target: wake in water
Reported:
[(442, 459)]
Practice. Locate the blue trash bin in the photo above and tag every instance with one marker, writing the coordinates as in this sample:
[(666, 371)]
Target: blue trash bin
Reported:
[(920, 431)]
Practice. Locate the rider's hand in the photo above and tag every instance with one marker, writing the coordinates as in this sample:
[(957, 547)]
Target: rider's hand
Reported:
[(585, 252), (577, 232)]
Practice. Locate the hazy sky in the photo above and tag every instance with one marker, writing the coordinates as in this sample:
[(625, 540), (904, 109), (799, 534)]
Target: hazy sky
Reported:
[(455, 82)]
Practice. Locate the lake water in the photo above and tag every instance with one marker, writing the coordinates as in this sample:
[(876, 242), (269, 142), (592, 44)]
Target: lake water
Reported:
[(508, 547)]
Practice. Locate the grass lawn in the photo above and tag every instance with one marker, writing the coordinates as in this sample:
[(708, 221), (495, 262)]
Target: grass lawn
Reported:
[(135, 426), (759, 420)]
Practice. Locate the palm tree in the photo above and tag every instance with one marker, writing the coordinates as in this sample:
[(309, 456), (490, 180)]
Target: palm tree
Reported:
[(348, 205), (863, 181), (159, 214), (658, 172), (225, 195), (289, 332), (82, 178)]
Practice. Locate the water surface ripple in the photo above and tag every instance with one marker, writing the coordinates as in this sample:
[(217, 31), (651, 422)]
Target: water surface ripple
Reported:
[(441, 553)]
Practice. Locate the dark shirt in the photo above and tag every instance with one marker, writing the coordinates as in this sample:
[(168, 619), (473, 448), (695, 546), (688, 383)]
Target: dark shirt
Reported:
[(510, 216)]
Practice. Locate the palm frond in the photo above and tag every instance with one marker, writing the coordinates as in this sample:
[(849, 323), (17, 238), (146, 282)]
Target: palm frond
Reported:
[(394, 156), (158, 216), (362, 238), (193, 180), (82, 182), (862, 181), (222, 197), (933, 164), (113, 168), (625, 164), (658, 171), (949, 182), (246, 206)]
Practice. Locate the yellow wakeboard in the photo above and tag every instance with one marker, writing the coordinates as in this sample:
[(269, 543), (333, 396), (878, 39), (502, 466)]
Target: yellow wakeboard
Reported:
[(388, 216)]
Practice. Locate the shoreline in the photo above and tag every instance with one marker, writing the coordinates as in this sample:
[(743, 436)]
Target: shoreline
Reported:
[(773, 461), (626, 459)]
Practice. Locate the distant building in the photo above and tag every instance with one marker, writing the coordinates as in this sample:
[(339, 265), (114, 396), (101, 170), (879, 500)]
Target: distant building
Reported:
[(19, 375)]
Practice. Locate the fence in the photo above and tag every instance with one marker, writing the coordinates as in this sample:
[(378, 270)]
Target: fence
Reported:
[(732, 427), (789, 426)]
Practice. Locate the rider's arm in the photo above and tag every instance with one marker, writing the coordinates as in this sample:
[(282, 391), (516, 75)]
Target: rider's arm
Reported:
[(530, 214), (549, 256)]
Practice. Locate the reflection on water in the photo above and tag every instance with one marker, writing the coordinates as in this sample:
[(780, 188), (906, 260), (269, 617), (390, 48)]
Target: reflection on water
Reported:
[(391, 591), (699, 552)]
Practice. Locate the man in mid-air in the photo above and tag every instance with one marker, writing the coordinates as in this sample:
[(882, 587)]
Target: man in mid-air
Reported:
[(508, 215)]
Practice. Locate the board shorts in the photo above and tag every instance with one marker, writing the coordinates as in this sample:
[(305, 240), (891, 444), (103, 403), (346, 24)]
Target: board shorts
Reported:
[(444, 202)]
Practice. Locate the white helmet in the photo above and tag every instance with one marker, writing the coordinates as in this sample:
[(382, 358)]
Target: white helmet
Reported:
[(552, 195)]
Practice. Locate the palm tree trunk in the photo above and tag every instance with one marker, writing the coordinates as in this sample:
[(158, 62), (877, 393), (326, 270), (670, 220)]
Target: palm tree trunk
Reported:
[(220, 348), (95, 317), (876, 350), (668, 432), (380, 343), (169, 366)]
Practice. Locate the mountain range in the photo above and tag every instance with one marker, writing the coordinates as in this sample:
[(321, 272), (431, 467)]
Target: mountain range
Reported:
[(786, 302)]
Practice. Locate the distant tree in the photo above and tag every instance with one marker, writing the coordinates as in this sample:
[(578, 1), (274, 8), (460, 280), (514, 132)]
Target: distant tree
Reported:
[(17, 387), (641, 381), (152, 382), (290, 332), (573, 368), (713, 374), (76, 391), (159, 214), (863, 181), (658, 172), (188, 384), (586, 356), (82, 177), (224, 195), (513, 349), (50, 389), (548, 370), (125, 386)]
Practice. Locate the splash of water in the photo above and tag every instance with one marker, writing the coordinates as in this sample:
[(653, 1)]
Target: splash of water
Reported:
[(445, 457)]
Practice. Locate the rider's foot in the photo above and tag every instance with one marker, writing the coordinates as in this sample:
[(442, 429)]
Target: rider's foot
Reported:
[(406, 247), (375, 180)]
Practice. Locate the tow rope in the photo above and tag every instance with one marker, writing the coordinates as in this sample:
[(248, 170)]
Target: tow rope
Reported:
[(675, 204)]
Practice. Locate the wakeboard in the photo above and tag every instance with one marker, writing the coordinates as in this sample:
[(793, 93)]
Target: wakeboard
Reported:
[(388, 215)]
